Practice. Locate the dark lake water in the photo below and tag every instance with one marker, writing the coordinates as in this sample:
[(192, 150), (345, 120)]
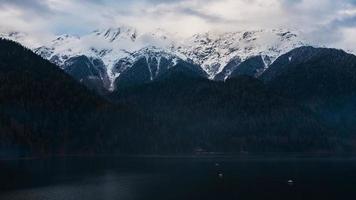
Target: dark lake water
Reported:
[(183, 178)]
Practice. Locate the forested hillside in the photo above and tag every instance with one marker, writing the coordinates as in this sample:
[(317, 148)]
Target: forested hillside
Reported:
[(44, 111)]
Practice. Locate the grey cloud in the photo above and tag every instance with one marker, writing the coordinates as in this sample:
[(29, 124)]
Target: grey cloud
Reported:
[(202, 15), (324, 19), (290, 2), (345, 22), (163, 1), (39, 6)]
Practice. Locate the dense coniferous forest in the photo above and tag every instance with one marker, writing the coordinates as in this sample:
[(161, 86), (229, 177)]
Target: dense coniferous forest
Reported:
[(240, 114), (44, 111), (325, 82)]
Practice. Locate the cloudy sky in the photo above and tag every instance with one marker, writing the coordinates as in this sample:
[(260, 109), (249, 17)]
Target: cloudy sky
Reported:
[(330, 22)]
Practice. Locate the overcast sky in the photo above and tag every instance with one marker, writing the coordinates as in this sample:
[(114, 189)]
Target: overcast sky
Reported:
[(331, 22)]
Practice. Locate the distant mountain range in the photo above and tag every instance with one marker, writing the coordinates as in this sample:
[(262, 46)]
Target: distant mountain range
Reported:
[(116, 50), (277, 95)]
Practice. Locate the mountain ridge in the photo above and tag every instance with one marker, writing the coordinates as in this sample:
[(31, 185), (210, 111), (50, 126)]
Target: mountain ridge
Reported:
[(119, 48)]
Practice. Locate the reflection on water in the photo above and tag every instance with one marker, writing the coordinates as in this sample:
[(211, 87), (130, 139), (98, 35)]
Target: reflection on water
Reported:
[(106, 178), (108, 186)]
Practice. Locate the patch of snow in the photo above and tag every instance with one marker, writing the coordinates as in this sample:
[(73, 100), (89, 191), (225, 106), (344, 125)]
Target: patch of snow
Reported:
[(158, 65)]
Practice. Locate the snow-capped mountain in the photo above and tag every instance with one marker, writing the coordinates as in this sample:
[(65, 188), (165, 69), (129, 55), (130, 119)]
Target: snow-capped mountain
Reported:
[(118, 48), (214, 51), (218, 54), (150, 64)]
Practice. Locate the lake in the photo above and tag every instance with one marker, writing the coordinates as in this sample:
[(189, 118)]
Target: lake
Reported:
[(179, 178)]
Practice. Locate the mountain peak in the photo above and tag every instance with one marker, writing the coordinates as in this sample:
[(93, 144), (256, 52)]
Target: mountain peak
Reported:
[(114, 33)]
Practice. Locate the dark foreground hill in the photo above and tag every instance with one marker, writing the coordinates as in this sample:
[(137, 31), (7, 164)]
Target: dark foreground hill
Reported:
[(240, 114), (324, 80), (44, 111)]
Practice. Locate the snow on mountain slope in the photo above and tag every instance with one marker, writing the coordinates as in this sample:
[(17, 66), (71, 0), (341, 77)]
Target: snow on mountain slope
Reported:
[(151, 64), (113, 46), (119, 48), (149, 52), (213, 51)]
